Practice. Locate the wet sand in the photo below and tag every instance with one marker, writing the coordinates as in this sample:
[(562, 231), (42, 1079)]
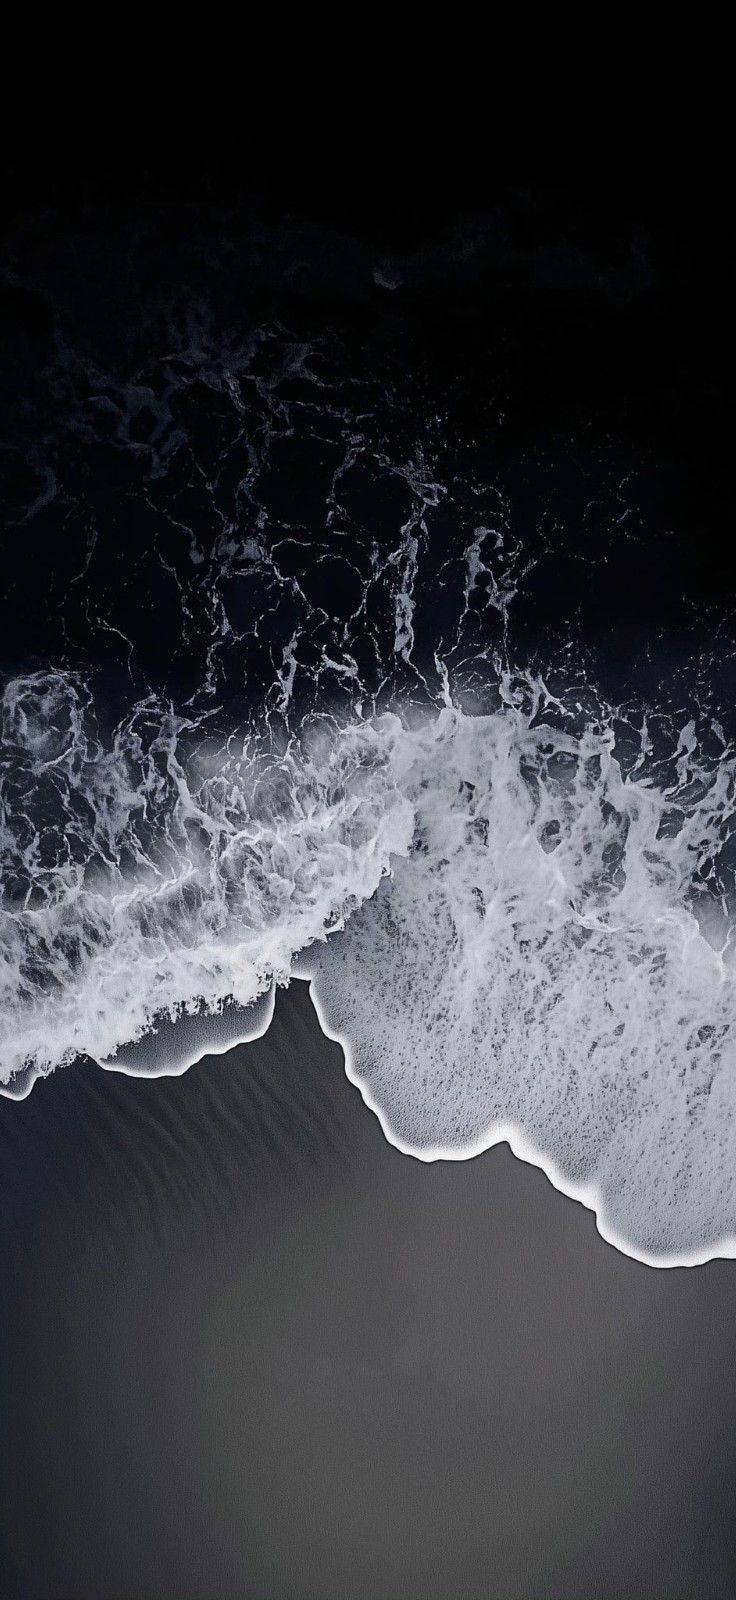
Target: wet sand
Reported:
[(249, 1349)]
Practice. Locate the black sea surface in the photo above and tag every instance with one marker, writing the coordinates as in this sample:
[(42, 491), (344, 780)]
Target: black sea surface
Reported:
[(252, 1350)]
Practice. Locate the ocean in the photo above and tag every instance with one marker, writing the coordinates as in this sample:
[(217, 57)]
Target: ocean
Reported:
[(367, 895)]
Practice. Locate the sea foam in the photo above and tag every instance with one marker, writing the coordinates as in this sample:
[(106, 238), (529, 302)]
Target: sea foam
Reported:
[(519, 919)]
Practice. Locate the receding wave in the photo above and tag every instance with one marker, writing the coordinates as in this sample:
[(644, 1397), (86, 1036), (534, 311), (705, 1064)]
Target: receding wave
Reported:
[(519, 915)]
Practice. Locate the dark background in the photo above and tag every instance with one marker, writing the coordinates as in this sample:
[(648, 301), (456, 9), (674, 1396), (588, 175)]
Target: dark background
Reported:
[(573, 328)]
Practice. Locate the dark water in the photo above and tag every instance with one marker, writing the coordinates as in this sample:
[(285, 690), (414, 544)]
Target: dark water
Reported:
[(250, 1349)]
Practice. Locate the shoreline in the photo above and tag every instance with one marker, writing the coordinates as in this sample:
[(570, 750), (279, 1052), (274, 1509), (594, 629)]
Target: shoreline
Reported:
[(586, 1195)]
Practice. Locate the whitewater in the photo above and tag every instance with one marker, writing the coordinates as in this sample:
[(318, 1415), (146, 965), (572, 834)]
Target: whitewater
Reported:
[(516, 912)]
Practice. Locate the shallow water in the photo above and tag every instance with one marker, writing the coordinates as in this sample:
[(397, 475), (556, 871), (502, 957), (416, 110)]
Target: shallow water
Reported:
[(250, 1348)]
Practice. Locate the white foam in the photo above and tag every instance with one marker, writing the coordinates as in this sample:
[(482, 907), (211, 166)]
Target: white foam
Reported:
[(171, 885), (517, 923), (541, 970)]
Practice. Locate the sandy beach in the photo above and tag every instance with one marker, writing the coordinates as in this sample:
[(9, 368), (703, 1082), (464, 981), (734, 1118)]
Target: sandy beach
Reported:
[(252, 1350)]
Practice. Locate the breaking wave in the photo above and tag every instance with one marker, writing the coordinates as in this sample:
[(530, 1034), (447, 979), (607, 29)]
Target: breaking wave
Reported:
[(520, 916)]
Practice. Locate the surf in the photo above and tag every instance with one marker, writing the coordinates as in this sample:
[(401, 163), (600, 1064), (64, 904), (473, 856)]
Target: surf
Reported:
[(518, 920)]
